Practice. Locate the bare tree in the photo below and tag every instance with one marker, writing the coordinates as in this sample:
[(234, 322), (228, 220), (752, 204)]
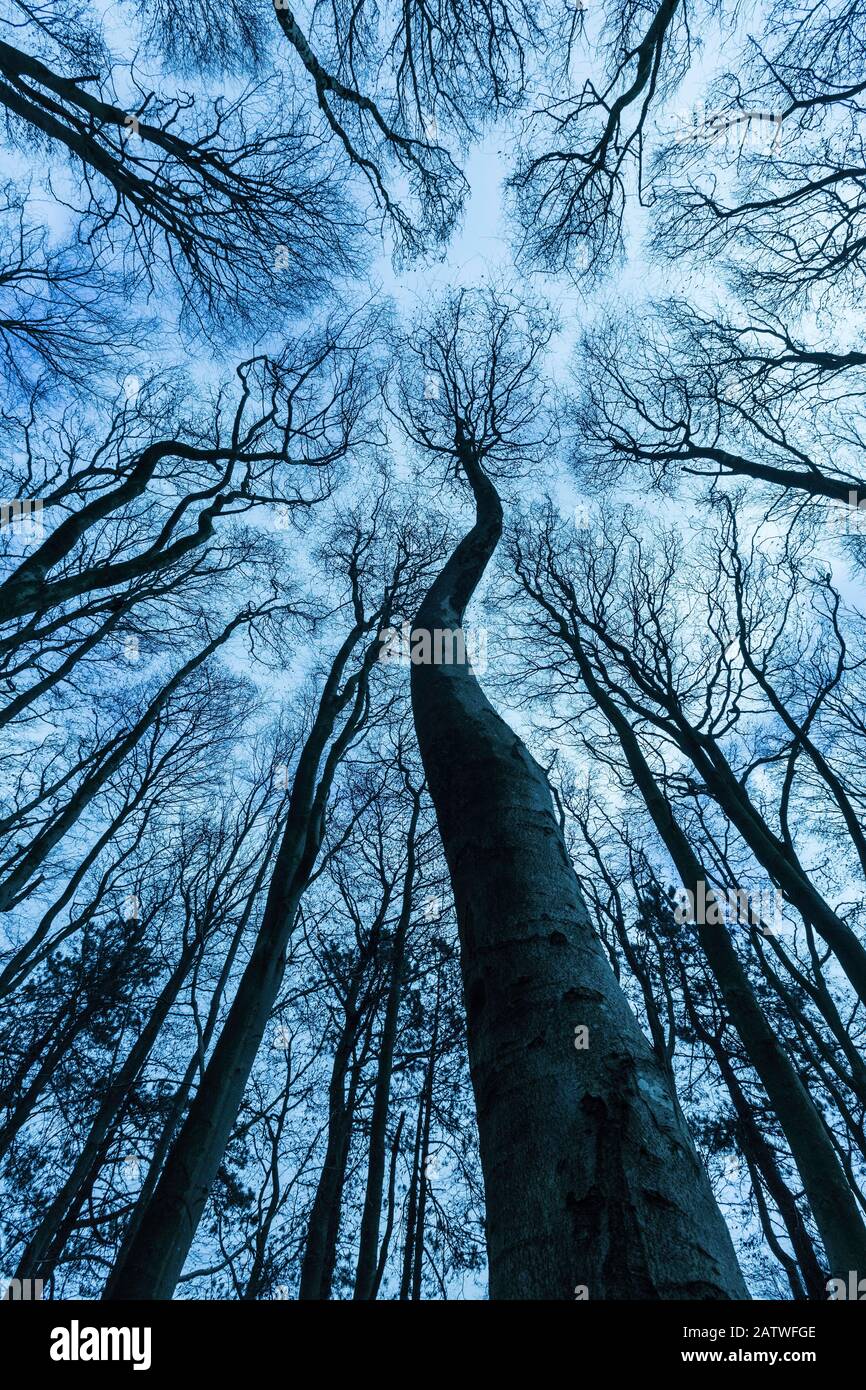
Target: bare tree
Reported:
[(543, 569), (155, 1258), (576, 1146)]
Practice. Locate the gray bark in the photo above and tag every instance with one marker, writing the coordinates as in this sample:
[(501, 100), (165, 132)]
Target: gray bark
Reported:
[(591, 1177)]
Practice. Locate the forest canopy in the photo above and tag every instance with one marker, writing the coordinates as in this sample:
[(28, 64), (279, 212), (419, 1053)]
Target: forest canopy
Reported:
[(432, 649)]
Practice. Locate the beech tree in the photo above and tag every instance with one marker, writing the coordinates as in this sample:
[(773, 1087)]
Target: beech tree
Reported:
[(530, 958), (548, 573)]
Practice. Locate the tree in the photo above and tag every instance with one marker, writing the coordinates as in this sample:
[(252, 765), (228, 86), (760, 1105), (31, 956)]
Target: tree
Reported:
[(590, 1176), (543, 570), (155, 1258)]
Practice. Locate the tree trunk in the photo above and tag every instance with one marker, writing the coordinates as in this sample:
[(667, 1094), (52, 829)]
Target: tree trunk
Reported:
[(179, 1100), (317, 1266), (18, 878), (829, 1195), (424, 1153), (762, 1158), (412, 1206), (44, 1248), (368, 1245), (156, 1255), (772, 853), (51, 1056), (389, 1218), (590, 1175)]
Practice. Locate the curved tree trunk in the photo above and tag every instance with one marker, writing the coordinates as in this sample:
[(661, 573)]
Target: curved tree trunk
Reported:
[(591, 1178), (829, 1194)]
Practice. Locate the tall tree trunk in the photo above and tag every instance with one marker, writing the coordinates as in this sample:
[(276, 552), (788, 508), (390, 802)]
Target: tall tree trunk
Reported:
[(389, 1218), (760, 1155), (156, 1255), (20, 1113), (335, 1215), (412, 1205), (37, 947), (179, 1100), (323, 1227), (777, 858), (13, 887), (424, 1152), (254, 1282), (829, 1194), (368, 1244), (590, 1175)]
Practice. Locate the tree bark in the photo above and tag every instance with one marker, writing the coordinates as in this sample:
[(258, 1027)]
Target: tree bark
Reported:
[(590, 1175)]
